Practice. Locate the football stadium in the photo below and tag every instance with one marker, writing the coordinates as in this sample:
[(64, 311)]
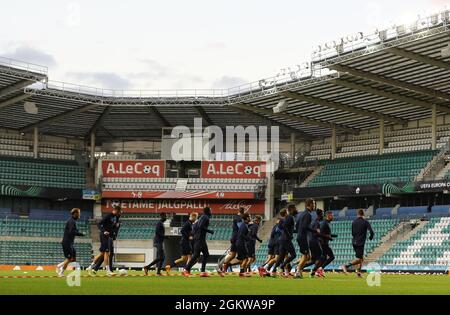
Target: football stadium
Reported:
[(330, 178)]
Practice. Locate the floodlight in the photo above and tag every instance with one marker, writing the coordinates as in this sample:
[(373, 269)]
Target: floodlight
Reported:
[(281, 107), (30, 108)]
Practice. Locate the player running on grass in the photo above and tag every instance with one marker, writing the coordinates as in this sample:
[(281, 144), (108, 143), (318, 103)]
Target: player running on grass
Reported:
[(287, 251), (326, 237), (185, 242), (253, 228), (272, 251), (360, 226), (237, 221), (70, 232), (95, 266), (106, 226), (158, 243), (200, 230)]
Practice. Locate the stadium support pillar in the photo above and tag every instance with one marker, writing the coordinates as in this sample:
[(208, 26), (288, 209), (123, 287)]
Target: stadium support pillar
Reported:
[(433, 127), (333, 142), (293, 146), (92, 158), (381, 135), (35, 142)]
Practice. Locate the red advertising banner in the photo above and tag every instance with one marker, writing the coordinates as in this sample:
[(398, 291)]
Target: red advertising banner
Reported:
[(133, 168), (233, 169), (182, 206), (179, 194)]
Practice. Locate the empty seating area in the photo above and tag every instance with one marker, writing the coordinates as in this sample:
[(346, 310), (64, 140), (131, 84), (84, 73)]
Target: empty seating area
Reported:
[(342, 245), (193, 184), (400, 167), (396, 141), (38, 253), (17, 145), (429, 246), (36, 228), (42, 173)]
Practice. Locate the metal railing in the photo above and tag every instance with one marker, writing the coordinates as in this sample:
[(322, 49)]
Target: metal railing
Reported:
[(21, 65)]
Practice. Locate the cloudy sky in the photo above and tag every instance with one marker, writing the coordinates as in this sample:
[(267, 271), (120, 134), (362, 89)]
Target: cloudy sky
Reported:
[(183, 44)]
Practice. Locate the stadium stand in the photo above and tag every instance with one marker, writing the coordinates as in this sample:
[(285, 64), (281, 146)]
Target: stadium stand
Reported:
[(16, 145), (342, 245), (430, 246), (381, 213), (41, 172), (412, 211), (36, 228), (400, 167), (32, 252), (193, 184)]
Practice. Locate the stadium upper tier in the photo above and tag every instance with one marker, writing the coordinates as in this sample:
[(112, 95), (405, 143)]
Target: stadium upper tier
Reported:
[(399, 167), (404, 140), (397, 75), (41, 173)]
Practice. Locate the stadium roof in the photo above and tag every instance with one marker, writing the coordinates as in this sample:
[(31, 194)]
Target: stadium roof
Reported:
[(395, 74)]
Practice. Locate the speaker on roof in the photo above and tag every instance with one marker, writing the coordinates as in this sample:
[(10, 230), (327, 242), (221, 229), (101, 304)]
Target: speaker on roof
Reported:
[(30, 108)]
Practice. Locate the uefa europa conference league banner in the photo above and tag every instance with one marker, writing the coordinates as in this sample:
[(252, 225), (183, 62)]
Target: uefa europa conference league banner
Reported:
[(183, 206)]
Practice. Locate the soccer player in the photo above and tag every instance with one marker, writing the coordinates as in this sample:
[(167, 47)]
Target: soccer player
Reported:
[(70, 232), (241, 244), (200, 246), (303, 226), (314, 244), (272, 250), (253, 228), (92, 269), (158, 243), (237, 221), (185, 242), (106, 227), (325, 237), (287, 251), (360, 226)]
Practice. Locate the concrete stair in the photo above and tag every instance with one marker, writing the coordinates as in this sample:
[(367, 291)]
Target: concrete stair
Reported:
[(312, 175), (443, 171), (401, 232)]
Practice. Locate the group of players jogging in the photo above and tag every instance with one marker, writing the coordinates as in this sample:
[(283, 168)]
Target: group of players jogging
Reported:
[(313, 237)]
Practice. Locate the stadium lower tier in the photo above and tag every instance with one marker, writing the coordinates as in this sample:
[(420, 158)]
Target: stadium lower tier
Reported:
[(342, 245), (399, 167), (429, 246), (38, 253), (37, 228)]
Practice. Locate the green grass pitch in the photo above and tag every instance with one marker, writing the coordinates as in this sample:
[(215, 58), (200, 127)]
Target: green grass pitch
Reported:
[(134, 283)]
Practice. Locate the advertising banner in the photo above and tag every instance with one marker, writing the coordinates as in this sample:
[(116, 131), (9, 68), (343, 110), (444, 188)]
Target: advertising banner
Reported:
[(233, 169), (133, 168), (182, 206), (137, 194)]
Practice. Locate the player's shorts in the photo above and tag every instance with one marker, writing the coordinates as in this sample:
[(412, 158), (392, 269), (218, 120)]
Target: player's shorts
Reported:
[(242, 252), (359, 251), (233, 247), (316, 250), (69, 251), (251, 251), (186, 248), (304, 246), (286, 247), (106, 243), (271, 250)]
